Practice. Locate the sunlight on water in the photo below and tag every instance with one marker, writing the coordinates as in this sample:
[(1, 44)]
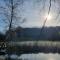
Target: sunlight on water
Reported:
[(40, 56), (51, 59)]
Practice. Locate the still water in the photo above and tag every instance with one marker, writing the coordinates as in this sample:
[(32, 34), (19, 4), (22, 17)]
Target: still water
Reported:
[(40, 56)]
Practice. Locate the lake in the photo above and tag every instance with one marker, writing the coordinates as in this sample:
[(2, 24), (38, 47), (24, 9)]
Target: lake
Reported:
[(40, 56), (36, 56)]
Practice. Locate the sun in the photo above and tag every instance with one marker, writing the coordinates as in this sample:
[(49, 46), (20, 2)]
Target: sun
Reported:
[(48, 17)]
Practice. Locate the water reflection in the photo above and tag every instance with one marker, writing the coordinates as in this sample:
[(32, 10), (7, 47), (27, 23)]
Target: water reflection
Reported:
[(40, 56)]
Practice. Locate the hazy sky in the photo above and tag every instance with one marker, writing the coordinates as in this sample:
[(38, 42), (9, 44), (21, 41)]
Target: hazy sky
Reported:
[(35, 12)]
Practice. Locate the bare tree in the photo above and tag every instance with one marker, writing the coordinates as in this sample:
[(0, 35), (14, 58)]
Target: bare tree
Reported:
[(46, 17), (10, 12)]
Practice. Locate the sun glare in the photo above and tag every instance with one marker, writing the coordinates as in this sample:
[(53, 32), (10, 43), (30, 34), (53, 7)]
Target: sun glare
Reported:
[(48, 17), (51, 59)]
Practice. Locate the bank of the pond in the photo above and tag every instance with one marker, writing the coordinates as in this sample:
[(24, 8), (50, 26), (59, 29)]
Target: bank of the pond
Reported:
[(33, 47)]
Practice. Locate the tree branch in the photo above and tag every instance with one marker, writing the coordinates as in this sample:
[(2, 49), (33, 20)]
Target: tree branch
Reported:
[(46, 18)]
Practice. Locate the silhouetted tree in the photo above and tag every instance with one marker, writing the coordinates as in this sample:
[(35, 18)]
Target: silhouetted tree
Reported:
[(46, 18), (10, 13), (2, 37)]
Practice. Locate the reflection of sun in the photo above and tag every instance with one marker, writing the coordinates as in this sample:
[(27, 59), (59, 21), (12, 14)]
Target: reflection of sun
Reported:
[(50, 59)]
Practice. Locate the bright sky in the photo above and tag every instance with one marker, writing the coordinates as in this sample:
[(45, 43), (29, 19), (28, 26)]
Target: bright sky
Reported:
[(35, 12)]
